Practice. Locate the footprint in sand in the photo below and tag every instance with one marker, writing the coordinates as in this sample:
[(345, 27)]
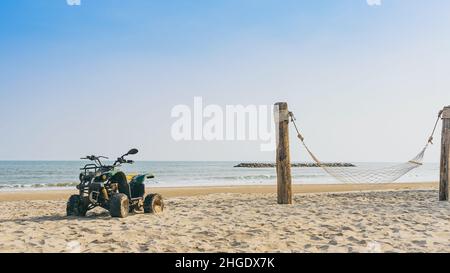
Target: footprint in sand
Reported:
[(324, 247), (333, 242), (347, 228), (357, 241), (421, 243)]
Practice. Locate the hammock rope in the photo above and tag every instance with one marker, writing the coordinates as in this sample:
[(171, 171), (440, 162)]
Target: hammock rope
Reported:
[(386, 174)]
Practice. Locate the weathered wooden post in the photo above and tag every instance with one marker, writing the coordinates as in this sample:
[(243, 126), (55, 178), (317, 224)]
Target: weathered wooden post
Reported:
[(284, 182), (444, 191)]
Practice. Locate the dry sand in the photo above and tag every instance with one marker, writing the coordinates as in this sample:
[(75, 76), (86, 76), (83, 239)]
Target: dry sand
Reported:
[(238, 219)]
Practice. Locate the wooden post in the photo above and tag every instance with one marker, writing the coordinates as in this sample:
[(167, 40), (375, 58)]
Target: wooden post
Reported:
[(444, 191), (284, 182)]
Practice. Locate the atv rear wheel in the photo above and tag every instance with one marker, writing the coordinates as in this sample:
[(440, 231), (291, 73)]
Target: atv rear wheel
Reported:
[(153, 203), (75, 206), (119, 205)]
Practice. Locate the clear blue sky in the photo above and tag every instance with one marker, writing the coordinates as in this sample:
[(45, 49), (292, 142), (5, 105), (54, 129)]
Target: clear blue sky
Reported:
[(365, 81)]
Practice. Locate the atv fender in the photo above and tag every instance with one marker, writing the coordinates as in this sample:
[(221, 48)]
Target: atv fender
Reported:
[(137, 185), (140, 178), (121, 179)]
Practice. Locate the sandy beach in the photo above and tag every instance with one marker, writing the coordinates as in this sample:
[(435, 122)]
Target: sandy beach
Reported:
[(354, 218)]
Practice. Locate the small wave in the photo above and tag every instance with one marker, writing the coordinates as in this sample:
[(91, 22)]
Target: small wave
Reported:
[(36, 186), (56, 185), (241, 177)]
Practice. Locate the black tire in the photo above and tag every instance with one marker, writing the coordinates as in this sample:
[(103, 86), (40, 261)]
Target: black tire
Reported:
[(153, 203), (119, 205), (75, 206)]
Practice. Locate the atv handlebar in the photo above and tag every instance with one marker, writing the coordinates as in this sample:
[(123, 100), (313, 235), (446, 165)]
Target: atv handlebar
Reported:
[(99, 164), (93, 157), (122, 160)]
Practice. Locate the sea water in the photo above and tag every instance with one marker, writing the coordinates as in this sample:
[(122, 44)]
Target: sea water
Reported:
[(26, 175)]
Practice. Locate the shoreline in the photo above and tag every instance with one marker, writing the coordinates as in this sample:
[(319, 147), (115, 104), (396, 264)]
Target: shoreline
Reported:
[(58, 194)]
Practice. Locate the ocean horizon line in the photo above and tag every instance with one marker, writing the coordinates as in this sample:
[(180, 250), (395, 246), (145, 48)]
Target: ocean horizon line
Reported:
[(219, 161)]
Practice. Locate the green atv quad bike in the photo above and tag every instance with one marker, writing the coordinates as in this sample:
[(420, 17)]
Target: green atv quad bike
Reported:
[(107, 187)]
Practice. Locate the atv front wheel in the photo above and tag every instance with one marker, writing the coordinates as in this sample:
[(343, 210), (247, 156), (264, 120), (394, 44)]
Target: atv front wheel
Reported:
[(153, 203), (75, 206), (119, 205)]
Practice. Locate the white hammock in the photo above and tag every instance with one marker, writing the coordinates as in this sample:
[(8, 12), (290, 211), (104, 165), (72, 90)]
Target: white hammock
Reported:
[(369, 174)]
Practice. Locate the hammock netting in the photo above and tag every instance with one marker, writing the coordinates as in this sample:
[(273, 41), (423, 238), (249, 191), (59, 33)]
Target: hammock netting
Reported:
[(385, 174)]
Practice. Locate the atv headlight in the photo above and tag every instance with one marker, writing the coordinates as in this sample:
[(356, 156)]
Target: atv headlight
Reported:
[(101, 178)]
